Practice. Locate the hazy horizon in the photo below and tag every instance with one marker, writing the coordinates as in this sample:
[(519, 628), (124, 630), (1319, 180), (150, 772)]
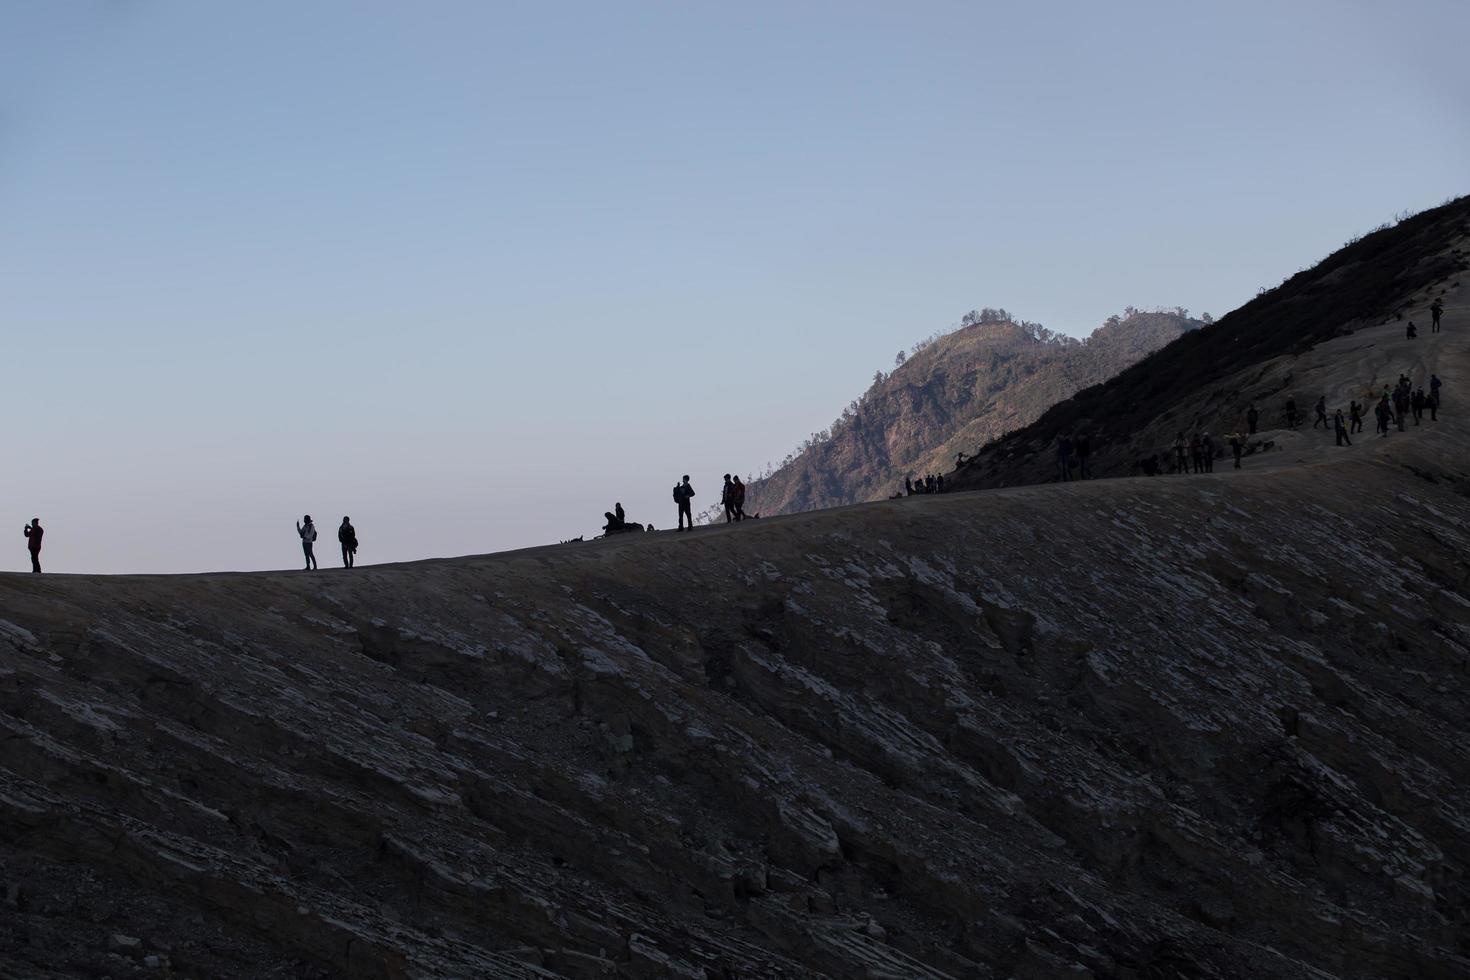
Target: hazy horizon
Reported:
[(471, 275)]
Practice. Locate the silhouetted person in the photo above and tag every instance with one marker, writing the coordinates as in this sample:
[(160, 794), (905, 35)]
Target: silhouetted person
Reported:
[(1435, 309), (347, 537), (307, 531), (1064, 458), (1251, 418), (1339, 428), (1207, 448), (1291, 413), (683, 494), (34, 532), (1355, 417), (939, 483), (1082, 446), (727, 499), (1237, 446), (1181, 446), (908, 487), (1383, 414), (737, 492), (616, 519), (1401, 405), (1411, 332), (1434, 385), (1416, 405), (1321, 418)]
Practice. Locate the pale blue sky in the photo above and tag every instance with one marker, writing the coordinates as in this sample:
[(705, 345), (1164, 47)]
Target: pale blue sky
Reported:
[(471, 271)]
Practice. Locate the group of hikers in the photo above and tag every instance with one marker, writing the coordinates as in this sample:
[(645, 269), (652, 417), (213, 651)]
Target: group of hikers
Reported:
[(732, 499), (1395, 405), (933, 483), (1436, 310), (346, 537), (1073, 450)]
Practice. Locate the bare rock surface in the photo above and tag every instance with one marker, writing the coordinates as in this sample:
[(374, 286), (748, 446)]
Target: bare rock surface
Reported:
[(1206, 727)]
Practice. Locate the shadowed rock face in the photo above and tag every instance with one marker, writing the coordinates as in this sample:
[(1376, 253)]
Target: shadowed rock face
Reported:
[(1202, 727)]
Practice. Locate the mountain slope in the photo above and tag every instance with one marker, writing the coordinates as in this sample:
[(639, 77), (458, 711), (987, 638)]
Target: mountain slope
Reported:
[(1208, 727), (955, 394), (1207, 379)]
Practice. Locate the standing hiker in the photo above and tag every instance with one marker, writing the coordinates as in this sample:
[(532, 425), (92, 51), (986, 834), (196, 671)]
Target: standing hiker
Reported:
[(727, 499), (1196, 453), (1339, 428), (737, 498), (1355, 417), (347, 537), (1064, 458), (1180, 448), (34, 533), (1207, 448), (1434, 386), (1082, 446), (1237, 446), (1321, 413), (306, 531), (1251, 417), (1435, 309), (1383, 413), (1401, 405), (939, 483), (1416, 404), (1291, 413), (683, 493)]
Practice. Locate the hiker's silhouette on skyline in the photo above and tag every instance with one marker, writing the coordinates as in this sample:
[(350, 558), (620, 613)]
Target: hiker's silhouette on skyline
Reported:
[(347, 537), (34, 533), (306, 531)]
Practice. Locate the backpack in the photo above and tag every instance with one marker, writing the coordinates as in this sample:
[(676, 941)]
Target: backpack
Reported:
[(678, 493)]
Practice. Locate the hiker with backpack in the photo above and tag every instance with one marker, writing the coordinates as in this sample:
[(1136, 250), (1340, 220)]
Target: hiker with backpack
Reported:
[(307, 532), (683, 494), (1355, 418), (347, 537), (727, 499), (1321, 418), (1435, 310)]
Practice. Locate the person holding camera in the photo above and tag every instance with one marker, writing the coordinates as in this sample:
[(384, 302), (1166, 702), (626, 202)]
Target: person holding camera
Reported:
[(33, 533)]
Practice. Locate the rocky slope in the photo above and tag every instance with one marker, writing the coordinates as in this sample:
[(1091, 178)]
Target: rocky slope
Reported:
[(957, 393), (1208, 727), (1274, 348)]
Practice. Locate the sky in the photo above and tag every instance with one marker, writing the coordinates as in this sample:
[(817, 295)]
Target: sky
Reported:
[(470, 272)]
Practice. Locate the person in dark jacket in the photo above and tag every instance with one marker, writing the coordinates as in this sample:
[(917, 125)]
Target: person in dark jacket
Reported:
[(1082, 448), (34, 533), (683, 494), (306, 531), (1321, 418), (1436, 309), (1064, 458), (737, 497), (1237, 446), (727, 499), (347, 537), (1339, 428)]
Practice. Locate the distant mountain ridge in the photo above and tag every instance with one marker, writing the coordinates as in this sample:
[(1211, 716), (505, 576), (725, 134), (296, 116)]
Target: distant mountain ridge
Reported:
[(955, 392)]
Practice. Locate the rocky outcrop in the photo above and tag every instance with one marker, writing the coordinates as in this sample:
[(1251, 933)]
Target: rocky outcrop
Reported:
[(1208, 727), (955, 394)]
